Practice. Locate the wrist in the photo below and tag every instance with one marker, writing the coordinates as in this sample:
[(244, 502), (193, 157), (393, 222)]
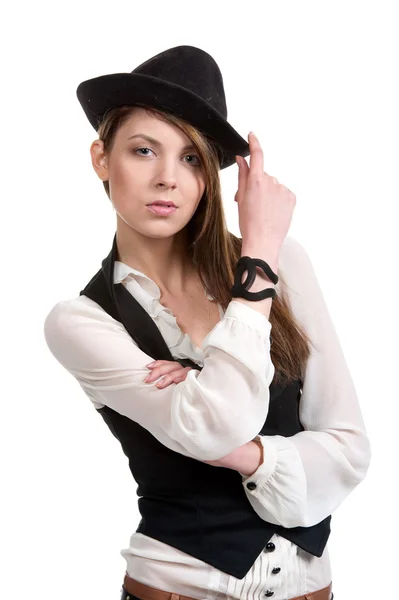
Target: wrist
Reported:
[(270, 254), (246, 459), (259, 456)]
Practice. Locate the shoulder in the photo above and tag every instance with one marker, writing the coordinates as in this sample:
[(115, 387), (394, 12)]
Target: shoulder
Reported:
[(74, 318), (72, 310)]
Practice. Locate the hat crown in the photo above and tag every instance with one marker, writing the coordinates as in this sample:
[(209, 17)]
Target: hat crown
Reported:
[(184, 81), (191, 68)]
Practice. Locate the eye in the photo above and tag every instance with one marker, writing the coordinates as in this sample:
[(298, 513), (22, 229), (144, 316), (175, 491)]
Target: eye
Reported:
[(143, 148), (198, 163)]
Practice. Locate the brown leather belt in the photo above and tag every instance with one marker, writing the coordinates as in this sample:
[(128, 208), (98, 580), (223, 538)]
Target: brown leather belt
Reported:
[(144, 592)]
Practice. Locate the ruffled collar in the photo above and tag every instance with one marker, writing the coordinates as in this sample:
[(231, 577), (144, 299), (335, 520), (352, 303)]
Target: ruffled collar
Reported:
[(148, 294)]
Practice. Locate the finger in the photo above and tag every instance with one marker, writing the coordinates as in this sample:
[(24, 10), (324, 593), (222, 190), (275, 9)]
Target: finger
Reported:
[(172, 378), (179, 378), (256, 156), (243, 167), (167, 380), (243, 170), (241, 175), (164, 369), (159, 363), (172, 368), (164, 381)]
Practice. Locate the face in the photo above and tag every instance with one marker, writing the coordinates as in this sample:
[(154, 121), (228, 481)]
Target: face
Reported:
[(142, 170)]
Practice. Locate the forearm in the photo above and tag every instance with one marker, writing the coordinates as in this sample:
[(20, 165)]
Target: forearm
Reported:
[(246, 459)]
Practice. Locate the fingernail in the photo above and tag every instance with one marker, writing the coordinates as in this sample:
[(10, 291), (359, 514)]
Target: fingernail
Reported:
[(238, 161), (151, 364)]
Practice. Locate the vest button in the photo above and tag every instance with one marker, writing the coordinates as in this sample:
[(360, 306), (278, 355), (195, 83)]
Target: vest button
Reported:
[(269, 593), (270, 547), (251, 485), (276, 570)]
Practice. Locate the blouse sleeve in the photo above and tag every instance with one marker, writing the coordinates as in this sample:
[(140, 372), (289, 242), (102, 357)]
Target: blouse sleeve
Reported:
[(305, 477), (206, 416)]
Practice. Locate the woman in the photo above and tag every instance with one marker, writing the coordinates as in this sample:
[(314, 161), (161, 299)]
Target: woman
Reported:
[(242, 445)]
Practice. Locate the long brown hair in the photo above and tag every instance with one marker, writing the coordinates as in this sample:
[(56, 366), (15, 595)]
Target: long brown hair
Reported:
[(215, 250)]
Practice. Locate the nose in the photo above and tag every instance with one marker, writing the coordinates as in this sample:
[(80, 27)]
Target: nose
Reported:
[(166, 176), (166, 184)]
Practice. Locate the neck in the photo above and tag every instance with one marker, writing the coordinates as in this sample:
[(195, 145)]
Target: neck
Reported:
[(166, 261)]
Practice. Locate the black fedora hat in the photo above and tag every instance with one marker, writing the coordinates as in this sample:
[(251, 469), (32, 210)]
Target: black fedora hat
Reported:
[(185, 81)]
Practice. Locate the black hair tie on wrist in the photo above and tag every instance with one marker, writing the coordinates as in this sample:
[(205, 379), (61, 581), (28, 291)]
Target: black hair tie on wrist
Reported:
[(240, 290)]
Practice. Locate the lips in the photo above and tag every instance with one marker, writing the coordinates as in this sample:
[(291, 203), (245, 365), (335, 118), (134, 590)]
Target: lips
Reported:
[(161, 209), (160, 203)]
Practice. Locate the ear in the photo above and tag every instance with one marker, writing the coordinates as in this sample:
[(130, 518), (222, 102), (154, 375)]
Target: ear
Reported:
[(99, 159)]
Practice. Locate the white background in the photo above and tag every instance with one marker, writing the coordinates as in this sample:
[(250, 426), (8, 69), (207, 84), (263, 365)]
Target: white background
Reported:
[(317, 82)]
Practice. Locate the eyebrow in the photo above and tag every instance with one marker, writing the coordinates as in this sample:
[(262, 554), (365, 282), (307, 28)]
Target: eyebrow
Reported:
[(156, 142)]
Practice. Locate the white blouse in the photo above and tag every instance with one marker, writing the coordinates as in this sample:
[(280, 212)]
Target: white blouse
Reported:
[(303, 478)]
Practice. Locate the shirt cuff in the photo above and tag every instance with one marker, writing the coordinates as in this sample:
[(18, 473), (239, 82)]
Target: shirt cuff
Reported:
[(250, 316)]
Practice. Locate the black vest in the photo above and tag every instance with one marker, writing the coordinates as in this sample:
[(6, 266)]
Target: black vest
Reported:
[(200, 509)]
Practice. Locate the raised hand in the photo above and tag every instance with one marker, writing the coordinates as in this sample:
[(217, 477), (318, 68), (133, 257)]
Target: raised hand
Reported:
[(265, 206)]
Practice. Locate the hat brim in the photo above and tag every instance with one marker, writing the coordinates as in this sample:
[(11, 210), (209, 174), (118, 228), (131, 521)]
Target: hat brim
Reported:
[(99, 94)]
